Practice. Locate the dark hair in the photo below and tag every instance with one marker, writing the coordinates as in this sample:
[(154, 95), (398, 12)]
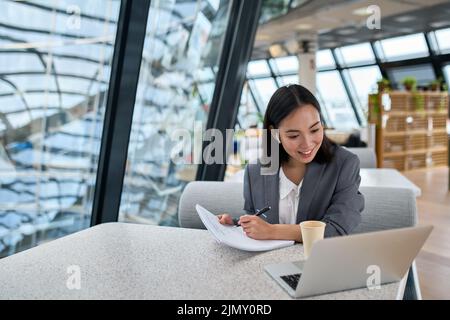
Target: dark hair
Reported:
[(284, 101)]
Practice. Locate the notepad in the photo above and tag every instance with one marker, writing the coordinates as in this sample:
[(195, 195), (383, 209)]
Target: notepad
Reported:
[(234, 236)]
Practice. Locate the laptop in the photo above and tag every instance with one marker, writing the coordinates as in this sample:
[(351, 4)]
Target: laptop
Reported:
[(351, 262)]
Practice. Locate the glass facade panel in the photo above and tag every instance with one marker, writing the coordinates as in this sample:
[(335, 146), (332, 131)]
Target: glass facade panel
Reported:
[(443, 40), (257, 68), (357, 54), (285, 65), (332, 92), (285, 80), (405, 47), (324, 59), (55, 62), (175, 90), (249, 114), (362, 82), (272, 9), (423, 73), (447, 75), (263, 89)]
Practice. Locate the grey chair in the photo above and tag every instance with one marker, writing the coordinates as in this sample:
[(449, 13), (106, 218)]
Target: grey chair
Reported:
[(385, 208), (389, 208), (367, 157), (217, 197)]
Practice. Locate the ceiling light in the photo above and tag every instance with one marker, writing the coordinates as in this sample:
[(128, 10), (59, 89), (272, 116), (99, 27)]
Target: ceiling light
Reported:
[(439, 24), (404, 19), (345, 32), (276, 50), (292, 46), (362, 12), (303, 26)]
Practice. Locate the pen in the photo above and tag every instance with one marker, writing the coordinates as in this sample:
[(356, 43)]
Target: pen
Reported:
[(261, 212), (258, 213)]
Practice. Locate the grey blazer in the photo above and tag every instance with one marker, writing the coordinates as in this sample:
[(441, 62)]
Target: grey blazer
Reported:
[(329, 193)]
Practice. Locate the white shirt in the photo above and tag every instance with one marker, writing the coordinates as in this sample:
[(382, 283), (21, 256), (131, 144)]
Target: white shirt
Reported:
[(289, 197)]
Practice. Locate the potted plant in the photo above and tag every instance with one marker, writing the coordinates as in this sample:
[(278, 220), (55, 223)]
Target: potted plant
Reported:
[(435, 85), (419, 100), (383, 84), (374, 110), (409, 83)]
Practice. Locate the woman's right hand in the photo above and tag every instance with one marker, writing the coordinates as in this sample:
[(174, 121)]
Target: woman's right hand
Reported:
[(225, 219)]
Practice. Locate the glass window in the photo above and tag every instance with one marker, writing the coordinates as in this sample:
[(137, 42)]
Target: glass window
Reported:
[(258, 68), (54, 81), (443, 40), (324, 59), (336, 101), (249, 114), (263, 89), (357, 54), (362, 81), (431, 36), (205, 74), (296, 3), (423, 73), (272, 9), (324, 110), (405, 47), (174, 95), (284, 65), (447, 75), (285, 80)]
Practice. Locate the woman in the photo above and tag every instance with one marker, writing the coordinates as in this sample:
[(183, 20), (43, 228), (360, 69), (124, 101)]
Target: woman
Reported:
[(316, 179)]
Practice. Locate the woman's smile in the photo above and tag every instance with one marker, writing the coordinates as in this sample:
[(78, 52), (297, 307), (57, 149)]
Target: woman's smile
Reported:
[(308, 154)]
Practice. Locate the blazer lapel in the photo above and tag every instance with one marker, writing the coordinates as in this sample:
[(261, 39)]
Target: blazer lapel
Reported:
[(272, 197), (311, 180)]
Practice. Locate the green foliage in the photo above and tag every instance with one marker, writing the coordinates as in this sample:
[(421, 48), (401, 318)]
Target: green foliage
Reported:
[(383, 84), (409, 82), (418, 100), (383, 81), (436, 84), (375, 108)]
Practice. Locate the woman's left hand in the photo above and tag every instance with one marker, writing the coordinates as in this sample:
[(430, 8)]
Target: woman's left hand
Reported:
[(255, 227)]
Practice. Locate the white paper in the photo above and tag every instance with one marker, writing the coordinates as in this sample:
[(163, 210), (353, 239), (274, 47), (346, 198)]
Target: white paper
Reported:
[(234, 236)]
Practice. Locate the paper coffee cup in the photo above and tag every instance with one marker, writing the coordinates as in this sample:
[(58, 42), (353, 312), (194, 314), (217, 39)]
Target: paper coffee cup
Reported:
[(312, 231)]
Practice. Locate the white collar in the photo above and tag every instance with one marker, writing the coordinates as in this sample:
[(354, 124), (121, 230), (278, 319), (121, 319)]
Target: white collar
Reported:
[(286, 185)]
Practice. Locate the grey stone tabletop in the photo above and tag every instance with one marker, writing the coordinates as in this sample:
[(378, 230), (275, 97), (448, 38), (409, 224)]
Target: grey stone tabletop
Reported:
[(130, 261)]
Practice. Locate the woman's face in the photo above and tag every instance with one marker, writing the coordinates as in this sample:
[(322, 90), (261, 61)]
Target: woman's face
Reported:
[(301, 133)]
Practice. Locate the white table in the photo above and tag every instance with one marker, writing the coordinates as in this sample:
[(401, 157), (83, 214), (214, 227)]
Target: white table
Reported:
[(129, 261), (388, 178)]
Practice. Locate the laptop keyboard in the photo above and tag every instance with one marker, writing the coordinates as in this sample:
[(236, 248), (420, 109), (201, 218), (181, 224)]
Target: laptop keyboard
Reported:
[(292, 280)]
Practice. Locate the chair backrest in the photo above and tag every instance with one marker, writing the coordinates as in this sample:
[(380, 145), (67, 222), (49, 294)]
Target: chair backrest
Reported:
[(385, 208), (216, 196), (367, 157)]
